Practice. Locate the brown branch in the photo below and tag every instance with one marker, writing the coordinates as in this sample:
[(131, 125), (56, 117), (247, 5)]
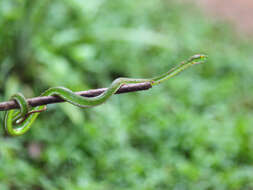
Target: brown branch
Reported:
[(43, 100)]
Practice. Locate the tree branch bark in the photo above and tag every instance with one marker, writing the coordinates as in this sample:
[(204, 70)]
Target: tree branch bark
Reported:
[(43, 100)]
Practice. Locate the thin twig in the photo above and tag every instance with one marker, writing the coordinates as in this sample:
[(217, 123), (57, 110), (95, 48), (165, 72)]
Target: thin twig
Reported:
[(43, 100)]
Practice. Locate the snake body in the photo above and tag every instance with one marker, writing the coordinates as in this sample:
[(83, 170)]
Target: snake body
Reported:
[(25, 116)]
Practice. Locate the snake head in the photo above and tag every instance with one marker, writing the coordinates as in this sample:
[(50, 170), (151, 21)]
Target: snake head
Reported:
[(198, 59)]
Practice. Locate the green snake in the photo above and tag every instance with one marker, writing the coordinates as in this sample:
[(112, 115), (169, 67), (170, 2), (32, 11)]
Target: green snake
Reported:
[(18, 122)]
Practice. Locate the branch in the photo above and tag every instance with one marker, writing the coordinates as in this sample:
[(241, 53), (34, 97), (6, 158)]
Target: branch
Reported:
[(43, 100)]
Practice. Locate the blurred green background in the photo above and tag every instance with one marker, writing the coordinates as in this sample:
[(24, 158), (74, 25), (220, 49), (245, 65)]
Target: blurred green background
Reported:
[(192, 132)]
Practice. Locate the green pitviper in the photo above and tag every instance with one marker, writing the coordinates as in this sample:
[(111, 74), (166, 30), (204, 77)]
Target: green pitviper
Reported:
[(23, 118)]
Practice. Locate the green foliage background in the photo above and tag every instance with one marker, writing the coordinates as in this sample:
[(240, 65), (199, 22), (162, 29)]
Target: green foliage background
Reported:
[(192, 132)]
